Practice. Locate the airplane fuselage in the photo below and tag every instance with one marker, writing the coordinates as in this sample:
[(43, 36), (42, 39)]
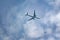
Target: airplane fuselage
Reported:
[(33, 17)]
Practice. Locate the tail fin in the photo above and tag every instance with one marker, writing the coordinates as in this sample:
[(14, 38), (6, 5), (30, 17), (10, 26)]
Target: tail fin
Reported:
[(26, 14)]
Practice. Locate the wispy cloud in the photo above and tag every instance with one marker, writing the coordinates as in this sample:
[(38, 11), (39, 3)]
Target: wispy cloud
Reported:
[(54, 3), (15, 19), (32, 30), (50, 19)]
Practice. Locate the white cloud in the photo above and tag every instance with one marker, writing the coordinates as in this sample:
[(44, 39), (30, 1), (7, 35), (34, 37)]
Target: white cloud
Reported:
[(56, 19), (57, 2), (52, 18), (57, 35), (54, 3), (51, 38), (32, 30), (21, 39), (42, 39), (49, 31), (6, 38), (33, 1)]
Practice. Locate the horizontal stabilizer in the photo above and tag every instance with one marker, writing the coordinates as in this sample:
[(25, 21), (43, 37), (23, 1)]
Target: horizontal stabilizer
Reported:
[(26, 14)]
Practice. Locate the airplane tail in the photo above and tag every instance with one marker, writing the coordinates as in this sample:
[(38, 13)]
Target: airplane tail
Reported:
[(26, 14)]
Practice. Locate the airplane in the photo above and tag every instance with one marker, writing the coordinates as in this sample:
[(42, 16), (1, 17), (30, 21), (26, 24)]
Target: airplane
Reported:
[(32, 17)]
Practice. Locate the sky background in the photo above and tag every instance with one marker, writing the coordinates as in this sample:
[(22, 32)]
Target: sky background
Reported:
[(14, 25)]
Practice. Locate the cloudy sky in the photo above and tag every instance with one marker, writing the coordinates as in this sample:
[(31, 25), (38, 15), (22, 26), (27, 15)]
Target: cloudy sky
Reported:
[(14, 25)]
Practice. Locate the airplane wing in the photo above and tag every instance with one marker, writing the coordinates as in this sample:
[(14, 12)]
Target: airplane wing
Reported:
[(30, 15), (30, 19)]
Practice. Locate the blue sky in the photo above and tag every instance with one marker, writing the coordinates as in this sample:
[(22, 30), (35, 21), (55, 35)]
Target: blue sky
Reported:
[(14, 25)]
